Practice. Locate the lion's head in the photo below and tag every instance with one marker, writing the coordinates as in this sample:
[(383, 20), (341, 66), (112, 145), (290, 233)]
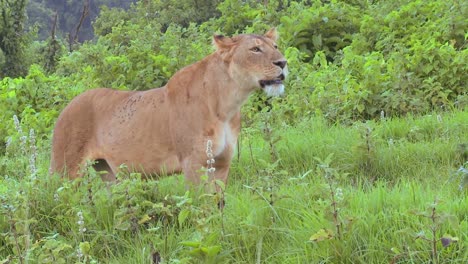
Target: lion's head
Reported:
[(254, 61)]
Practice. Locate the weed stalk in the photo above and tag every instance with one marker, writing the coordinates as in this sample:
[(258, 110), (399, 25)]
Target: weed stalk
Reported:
[(14, 233)]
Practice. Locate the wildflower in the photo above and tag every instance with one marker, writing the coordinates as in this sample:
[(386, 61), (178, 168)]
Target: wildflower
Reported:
[(23, 143), (209, 153), (339, 194), (382, 115), (17, 124), (81, 222), (209, 148), (79, 254), (8, 142), (33, 157), (23, 138)]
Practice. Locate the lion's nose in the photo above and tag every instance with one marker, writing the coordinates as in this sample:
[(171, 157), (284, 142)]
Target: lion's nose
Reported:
[(280, 63)]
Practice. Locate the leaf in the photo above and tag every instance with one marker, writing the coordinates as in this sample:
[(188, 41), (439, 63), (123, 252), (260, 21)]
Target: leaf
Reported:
[(420, 234), (122, 224), (221, 184), (447, 240), (144, 219), (360, 108), (317, 41), (153, 229), (194, 244), (85, 247), (321, 235), (395, 250), (427, 68), (183, 216), (211, 251)]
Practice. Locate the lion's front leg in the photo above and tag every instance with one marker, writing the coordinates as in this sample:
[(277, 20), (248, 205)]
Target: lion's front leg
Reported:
[(192, 167), (195, 168)]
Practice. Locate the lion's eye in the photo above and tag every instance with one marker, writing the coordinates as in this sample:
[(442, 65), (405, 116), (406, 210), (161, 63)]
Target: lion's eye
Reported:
[(256, 49)]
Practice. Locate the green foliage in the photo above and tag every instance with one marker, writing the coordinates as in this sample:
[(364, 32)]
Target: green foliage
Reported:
[(12, 37), (403, 61), (181, 13), (122, 59), (323, 27), (237, 15), (36, 99)]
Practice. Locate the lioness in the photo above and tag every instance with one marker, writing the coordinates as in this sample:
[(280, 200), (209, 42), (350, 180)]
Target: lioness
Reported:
[(166, 130)]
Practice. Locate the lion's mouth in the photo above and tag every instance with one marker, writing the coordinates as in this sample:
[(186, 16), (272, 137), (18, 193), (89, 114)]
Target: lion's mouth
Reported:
[(277, 80)]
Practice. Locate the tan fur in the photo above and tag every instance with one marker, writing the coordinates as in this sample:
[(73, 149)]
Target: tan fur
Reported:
[(165, 130)]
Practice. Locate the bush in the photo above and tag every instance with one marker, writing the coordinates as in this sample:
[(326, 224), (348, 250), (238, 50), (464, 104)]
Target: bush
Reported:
[(35, 99)]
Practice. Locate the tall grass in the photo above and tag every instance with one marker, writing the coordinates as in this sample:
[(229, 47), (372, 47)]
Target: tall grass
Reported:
[(384, 191)]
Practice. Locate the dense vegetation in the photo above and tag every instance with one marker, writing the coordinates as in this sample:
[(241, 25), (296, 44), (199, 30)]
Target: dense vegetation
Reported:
[(363, 161)]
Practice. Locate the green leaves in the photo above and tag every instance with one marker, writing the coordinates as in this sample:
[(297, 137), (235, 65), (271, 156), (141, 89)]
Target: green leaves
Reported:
[(321, 235), (205, 253), (13, 38)]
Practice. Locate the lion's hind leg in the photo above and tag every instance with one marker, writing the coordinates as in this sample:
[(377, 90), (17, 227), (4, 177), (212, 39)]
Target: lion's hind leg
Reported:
[(66, 159)]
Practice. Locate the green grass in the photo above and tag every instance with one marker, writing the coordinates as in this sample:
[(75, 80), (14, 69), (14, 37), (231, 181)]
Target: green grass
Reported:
[(391, 176)]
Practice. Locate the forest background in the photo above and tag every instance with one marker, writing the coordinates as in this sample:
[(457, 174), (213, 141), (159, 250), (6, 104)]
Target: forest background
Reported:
[(369, 80)]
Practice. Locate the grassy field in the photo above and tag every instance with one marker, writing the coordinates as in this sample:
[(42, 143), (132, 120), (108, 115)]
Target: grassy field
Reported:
[(389, 191)]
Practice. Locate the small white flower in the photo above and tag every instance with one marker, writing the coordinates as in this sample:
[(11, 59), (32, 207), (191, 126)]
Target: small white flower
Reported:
[(209, 145), (79, 254), (8, 142), (209, 153), (339, 194), (23, 140), (17, 123), (81, 222)]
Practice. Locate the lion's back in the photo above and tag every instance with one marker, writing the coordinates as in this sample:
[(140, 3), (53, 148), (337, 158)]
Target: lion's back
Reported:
[(93, 103)]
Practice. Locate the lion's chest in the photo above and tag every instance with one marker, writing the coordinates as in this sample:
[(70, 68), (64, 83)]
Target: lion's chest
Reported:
[(225, 141)]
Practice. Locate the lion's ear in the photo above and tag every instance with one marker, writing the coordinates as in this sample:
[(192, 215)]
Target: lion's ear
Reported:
[(222, 43), (272, 34)]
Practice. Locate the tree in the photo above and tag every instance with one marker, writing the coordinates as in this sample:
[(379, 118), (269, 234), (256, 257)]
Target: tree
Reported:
[(179, 12), (12, 37), (70, 14)]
